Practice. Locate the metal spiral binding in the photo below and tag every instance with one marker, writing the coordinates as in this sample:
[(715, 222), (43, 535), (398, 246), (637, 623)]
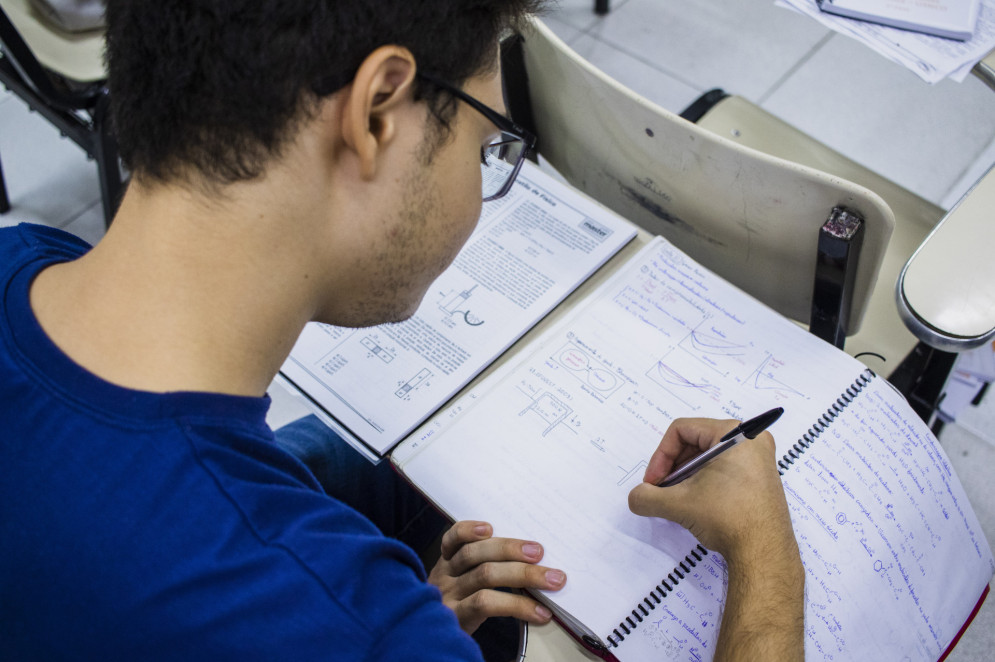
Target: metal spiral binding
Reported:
[(822, 423), (655, 597)]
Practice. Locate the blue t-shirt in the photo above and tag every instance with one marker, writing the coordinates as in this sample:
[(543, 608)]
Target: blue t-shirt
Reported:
[(144, 526)]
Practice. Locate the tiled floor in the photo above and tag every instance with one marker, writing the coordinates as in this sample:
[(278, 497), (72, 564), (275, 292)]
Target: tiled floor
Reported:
[(934, 140)]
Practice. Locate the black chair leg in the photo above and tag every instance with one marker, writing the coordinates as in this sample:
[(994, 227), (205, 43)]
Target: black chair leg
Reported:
[(601, 7), (4, 199)]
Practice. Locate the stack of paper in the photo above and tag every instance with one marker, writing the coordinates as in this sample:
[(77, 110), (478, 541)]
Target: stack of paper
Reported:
[(931, 58)]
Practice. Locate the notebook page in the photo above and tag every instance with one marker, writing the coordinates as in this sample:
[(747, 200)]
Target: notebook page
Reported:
[(549, 447), (895, 558)]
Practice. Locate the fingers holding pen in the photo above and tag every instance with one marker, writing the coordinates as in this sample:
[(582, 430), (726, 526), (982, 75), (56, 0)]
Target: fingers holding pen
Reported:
[(685, 438)]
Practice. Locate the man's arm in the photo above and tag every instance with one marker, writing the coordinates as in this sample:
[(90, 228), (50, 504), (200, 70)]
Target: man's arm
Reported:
[(736, 506)]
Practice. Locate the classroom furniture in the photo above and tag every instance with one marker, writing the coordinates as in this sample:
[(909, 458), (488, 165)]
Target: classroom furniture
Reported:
[(62, 77), (753, 216), (946, 291), (985, 70)]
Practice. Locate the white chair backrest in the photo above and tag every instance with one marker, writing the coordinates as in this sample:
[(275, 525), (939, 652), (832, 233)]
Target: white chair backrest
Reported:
[(77, 56), (752, 218)]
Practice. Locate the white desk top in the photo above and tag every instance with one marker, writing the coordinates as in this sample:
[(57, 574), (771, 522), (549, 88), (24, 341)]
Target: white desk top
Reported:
[(946, 293)]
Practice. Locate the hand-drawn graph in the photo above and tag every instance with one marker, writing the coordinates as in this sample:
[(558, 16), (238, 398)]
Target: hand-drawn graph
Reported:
[(454, 304), (413, 383), (682, 384), (765, 378), (550, 409), (716, 349), (588, 370)]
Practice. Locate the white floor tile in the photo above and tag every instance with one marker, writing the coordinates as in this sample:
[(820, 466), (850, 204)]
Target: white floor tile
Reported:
[(742, 46), (89, 225), (565, 31), (972, 174), (579, 14), (881, 115), (49, 179), (659, 87)]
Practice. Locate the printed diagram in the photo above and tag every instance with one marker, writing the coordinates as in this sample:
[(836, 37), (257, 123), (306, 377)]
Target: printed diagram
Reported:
[(588, 370), (550, 409), (375, 349), (454, 305), (413, 383)]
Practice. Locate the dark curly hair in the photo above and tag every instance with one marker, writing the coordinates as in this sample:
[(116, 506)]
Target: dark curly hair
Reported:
[(218, 86)]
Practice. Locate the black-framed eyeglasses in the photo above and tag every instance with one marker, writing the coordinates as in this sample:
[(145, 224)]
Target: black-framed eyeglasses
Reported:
[(501, 160)]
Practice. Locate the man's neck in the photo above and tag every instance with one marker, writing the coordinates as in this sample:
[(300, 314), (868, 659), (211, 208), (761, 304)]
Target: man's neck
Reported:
[(181, 296)]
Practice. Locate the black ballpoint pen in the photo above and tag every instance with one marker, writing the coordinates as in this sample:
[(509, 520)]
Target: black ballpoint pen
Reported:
[(746, 430)]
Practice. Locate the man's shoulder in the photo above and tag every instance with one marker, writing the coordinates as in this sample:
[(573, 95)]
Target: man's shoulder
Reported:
[(32, 240)]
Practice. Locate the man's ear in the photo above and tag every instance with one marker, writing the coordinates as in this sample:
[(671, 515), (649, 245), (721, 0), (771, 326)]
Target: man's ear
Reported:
[(382, 85)]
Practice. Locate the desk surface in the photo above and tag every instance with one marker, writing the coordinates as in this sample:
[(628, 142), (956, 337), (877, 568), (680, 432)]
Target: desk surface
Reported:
[(946, 293)]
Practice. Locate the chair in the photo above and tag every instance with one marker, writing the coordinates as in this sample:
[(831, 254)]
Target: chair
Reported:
[(752, 216), (61, 76)]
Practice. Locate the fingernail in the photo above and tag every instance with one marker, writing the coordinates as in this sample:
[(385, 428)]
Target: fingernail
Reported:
[(555, 578), (543, 613), (532, 550), (481, 529)]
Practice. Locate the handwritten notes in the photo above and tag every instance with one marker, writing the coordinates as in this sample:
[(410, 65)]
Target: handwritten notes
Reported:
[(548, 447), (884, 527)]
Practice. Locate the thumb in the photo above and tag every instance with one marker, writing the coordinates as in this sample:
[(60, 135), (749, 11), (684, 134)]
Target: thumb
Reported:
[(649, 500)]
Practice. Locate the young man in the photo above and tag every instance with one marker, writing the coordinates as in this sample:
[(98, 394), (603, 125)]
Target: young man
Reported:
[(290, 161)]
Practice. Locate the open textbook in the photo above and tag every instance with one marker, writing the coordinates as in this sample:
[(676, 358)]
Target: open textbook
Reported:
[(530, 249), (548, 445)]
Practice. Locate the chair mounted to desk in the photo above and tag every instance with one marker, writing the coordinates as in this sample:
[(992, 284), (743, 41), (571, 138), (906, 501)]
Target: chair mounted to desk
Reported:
[(78, 108), (754, 219)]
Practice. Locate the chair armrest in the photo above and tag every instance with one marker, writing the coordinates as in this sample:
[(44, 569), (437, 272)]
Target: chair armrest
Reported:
[(946, 292)]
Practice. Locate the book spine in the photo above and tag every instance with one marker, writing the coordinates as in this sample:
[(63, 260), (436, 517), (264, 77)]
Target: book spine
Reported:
[(631, 622), (809, 438)]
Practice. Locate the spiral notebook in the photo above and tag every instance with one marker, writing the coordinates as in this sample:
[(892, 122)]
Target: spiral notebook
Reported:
[(548, 445)]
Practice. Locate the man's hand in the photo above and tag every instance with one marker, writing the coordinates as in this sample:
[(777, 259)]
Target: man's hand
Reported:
[(473, 564), (734, 500), (735, 505)]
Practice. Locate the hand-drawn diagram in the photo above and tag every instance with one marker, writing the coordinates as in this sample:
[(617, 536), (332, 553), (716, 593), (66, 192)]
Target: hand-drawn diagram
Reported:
[(454, 304), (589, 370), (705, 358), (413, 383), (630, 473), (550, 409), (764, 378), (375, 349), (680, 386)]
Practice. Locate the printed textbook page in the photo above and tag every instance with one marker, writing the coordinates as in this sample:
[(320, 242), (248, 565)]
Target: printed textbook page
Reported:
[(529, 251)]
